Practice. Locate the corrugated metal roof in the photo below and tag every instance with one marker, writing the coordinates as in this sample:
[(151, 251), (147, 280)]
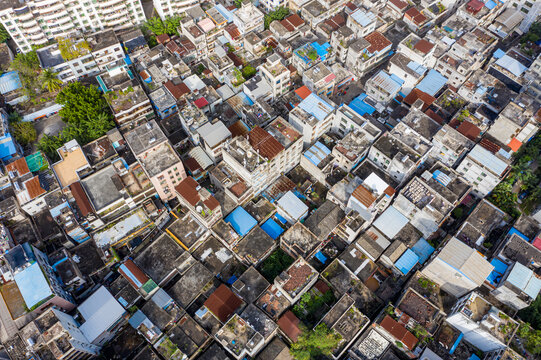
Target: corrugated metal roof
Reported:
[(364, 18), (9, 81), (317, 153), (316, 106), (466, 260), (423, 249), (432, 82), (390, 222), (407, 261), (292, 205), (511, 65), (488, 160)]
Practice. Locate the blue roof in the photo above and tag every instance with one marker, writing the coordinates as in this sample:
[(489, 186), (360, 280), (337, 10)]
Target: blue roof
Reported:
[(455, 345), (33, 285), (272, 228), (490, 4), (225, 13), (397, 79), (129, 274), (524, 279), (137, 319), (7, 147), (432, 82), (316, 153), (322, 50), (515, 231), (407, 261), (474, 357), (321, 257), (360, 107), (499, 269), (498, 53), (9, 81), (418, 68), (316, 106), (422, 249), (241, 221), (364, 18)]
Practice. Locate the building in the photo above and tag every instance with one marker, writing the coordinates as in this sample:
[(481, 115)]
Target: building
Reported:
[(296, 280), (261, 156), (320, 80), (346, 120), (473, 268), (361, 22), (418, 50), (518, 287), (383, 87), (484, 169), (33, 23), (248, 18), (529, 10), (483, 325), (312, 118), (450, 146), (276, 74), (157, 157), (213, 136), (8, 149), (199, 200), (366, 52), (170, 8)]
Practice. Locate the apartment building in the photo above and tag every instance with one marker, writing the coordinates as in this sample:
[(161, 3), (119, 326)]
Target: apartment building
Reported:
[(362, 22), (529, 9), (277, 75), (157, 157), (367, 52), (484, 169), (320, 80), (346, 120), (170, 8), (450, 146), (419, 50), (534, 79), (199, 201), (263, 155), (203, 30), (312, 118), (248, 18), (35, 23)]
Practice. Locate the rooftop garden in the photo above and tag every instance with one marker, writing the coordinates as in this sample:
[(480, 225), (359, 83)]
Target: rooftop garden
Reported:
[(312, 305), (315, 344), (70, 50), (274, 264)]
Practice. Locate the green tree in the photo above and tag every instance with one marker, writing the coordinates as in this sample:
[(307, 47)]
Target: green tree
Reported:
[(4, 35), (278, 14), (27, 65), (49, 145), (531, 337), (248, 71), (155, 25), (312, 344), (50, 81), (532, 313), (172, 24), (24, 132)]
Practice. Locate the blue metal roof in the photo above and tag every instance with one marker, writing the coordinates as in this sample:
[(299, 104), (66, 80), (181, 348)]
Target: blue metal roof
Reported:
[(137, 319), (360, 107), (33, 285), (225, 13), (316, 153), (490, 4), (9, 81), (422, 249), (498, 53), (407, 261), (432, 82), (7, 147), (316, 106), (515, 231), (499, 269), (272, 228), (364, 18), (241, 221)]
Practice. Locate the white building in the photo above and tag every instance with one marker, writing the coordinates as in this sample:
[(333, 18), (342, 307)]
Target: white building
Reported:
[(362, 22), (169, 8), (529, 9), (34, 23), (276, 74), (518, 287), (248, 18), (484, 169), (312, 118)]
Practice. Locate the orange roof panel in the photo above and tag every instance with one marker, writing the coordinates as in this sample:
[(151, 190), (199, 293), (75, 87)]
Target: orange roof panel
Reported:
[(303, 92)]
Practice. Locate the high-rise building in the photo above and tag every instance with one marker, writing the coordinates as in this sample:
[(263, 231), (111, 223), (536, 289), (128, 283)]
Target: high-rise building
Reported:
[(37, 22)]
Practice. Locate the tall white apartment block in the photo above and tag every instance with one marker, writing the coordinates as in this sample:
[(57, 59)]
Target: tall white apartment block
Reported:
[(34, 23), (168, 8)]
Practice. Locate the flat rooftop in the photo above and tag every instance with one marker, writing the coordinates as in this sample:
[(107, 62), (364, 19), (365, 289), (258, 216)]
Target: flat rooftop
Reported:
[(101, 188), (162, 158), (145, 137), (72, 160)]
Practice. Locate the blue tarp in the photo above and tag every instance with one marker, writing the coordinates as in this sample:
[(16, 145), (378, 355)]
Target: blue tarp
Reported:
[(241, 221), (360, 107), (498, 53), (322, 258), (474, 357), (423, 250), (280, 218), (490, 4), (455, 345), (272, 228), (432, 82), (499, 269), (407, 261), (322, 50)]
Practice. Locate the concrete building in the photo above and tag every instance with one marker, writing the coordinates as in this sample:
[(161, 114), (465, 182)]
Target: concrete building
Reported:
[(296, 280), (276, 74), (518, 287), (213, 136), (312, 118), (346, 120), (365, 53), (199, 201), (450, 146), (530, 10), (248, 18), (419, 50), (157, 157), (483, 325), (361, 22), (34, 23), (383, 87), (484, 169), (320, 80), (170, 8), (472, 268)]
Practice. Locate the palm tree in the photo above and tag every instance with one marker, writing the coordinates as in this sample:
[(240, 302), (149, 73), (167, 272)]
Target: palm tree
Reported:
[(49, 81)]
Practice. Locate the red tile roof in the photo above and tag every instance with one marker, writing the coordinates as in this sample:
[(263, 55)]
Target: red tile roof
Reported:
[(201, 102), (265, 143), (364, 196), (289, 324), (399, 4), (238, 129), (514, 144), (223, 303), (34, 187), (233, 31), (18, 165), (423, 46), (469, 130), (303, 92), (415, 15), (135, 272), (81, 199), (489, 145), (163, 38), (475, 5), (434, 116), (537, 243), (178, 90), (399, 332), (377, 41), (417, 94), (187, 189)]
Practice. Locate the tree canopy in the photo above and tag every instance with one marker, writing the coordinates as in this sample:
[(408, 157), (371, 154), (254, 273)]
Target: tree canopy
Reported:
[(49, 81), (4, 35), (278, 14), (27, 64), (87, 114), (157, 26), (24, 132), (312, 344)]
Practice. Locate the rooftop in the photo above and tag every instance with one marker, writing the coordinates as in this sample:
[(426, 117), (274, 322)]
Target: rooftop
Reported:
[(255, 245), (296, 277), (299, 238), (72, 160), (250, 285), (100, 311), (145, 137), (191, 284)]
